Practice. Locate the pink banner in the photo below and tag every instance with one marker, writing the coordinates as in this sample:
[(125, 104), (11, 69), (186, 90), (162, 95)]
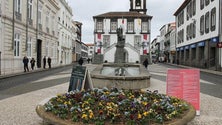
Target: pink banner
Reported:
[(185, 84), (144, 51)]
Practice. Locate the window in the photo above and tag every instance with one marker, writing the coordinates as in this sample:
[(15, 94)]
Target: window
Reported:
[(207, 21), (194, 7), (47, 21), (194, 30), (17, 6), (180, 36), (29, 47), (191, 31), (40, 17), (202, 4), (144, 27), (180, 19), (137, 41), (138, 2), (30, 9), (113, 26), (213, 19), (30, 12), (99, 26), (0, 9), (130, 26), (53, 25), (188, 32), (106, 40), (202, 25), (207, 2), (16, 44), (47, 49)]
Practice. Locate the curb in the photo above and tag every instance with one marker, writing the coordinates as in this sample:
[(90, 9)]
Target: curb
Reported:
[(201, 70), (33, 71)]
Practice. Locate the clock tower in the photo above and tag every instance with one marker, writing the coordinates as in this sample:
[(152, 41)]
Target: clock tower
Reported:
[(138, 6)]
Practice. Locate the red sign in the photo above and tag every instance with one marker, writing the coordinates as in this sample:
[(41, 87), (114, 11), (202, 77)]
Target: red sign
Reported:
[(99, 50), (219, 45), (185, 84), (99, 36), (145, 36), (144, 51)]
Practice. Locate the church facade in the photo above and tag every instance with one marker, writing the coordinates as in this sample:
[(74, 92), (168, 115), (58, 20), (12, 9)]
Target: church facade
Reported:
[(136, 27)]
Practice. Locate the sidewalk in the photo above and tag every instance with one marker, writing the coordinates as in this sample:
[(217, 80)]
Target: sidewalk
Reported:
[(20, 110), (202, 70)]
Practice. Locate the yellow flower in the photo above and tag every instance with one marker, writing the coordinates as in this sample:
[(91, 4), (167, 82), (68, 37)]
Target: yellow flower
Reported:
[(145, 113), (144, 103), (91, 115), (139, 116), (84, 116)]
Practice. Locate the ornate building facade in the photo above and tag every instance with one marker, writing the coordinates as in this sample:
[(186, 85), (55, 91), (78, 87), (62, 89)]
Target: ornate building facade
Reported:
[(136, 31)]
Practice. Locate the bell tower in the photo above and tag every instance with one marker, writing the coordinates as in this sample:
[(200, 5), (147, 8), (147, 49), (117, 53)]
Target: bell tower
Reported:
[(138, 6)]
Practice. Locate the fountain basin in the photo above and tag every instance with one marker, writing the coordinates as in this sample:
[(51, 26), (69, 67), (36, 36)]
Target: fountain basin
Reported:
[(136, 76)]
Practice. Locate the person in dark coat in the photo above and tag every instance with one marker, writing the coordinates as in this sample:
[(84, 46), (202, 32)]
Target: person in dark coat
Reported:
[(88, 60), (145, 63), (80, 61), (32, 63), (49, 62), (44, 62), (25, 62)]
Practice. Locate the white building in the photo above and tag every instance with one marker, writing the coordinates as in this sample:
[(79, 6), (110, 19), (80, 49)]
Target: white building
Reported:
[(1, 40), (90, 50), (65, 33), (198, 33), (77, 36), (26, 33), (136, 31), (165, 41), (172, 54)]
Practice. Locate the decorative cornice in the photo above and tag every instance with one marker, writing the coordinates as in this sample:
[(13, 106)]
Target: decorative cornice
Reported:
[(55, 4)]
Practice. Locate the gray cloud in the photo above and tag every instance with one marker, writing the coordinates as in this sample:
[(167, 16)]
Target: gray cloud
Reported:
[(83, 11)]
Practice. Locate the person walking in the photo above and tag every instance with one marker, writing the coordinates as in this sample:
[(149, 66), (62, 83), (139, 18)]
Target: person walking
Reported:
[(88, 60), (145, 63), (80, 61), (44, 62), (25, 62), (49, 62), (32, 63)]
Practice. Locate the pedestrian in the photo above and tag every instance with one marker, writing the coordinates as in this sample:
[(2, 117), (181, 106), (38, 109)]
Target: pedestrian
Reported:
[(80, 61), (25, 62), (44, 62), (32, 63), (145, 63), (49, 62), (88, 60)]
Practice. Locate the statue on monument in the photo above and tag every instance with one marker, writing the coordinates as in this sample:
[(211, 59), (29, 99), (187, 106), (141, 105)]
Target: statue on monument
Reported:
[(121, 40), (119, 55)]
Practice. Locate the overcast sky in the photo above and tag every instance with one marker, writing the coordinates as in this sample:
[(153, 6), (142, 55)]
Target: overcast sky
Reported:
[(83, 11)]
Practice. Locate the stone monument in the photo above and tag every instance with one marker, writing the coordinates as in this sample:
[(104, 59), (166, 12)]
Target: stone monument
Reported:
[(119, 55)]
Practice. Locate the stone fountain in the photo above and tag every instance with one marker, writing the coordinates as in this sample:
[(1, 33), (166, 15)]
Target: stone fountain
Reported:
[(120, 74)]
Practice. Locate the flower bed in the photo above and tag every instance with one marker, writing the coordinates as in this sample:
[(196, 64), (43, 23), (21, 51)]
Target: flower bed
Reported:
[(100, 106)]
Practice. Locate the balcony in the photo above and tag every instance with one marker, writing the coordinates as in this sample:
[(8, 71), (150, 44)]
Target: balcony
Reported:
[(47, 30), (30, 22), (40, 26), (18, 15)]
